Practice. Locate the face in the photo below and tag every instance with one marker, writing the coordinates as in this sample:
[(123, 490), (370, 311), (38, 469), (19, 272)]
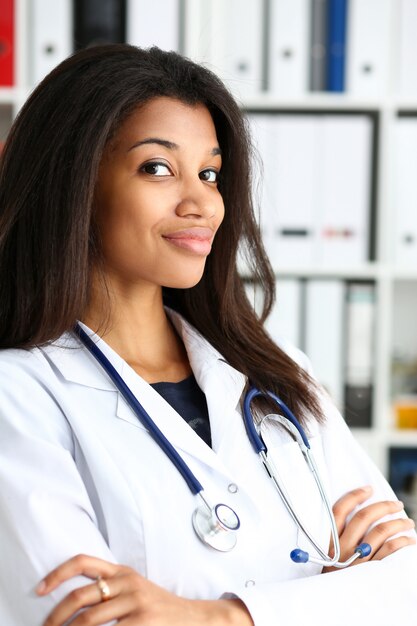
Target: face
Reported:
[(157, 203)]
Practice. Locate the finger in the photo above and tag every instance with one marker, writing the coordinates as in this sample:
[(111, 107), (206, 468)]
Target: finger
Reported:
[(97, 614), (363, 519), (347, 503), (381, 533), (389, 547), (80, 565), (88, 596)]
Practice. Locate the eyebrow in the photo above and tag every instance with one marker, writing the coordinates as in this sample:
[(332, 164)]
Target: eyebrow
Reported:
[(170, 145)]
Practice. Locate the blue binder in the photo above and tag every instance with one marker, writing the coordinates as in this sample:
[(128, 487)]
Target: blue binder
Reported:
[(336, 45)]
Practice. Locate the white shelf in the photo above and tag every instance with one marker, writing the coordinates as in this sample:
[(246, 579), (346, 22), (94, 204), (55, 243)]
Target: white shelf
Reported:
[(328, 101), (311, 101)]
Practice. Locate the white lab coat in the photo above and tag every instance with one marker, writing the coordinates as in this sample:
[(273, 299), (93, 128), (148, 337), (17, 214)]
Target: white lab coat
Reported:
[(80, 474)]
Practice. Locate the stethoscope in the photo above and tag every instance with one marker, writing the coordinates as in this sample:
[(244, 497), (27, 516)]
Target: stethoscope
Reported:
[(217, 525)]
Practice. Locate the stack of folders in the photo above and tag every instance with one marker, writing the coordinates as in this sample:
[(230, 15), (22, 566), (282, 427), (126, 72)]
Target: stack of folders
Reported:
[(333, 322), (316, 188), (58, 27), (285, 47), (291, 47)]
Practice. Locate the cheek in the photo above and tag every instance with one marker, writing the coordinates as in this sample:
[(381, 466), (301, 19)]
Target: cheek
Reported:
[(220, 211)]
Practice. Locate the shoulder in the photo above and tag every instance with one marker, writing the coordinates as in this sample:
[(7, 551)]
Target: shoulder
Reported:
[(30, 403), (17, 362)]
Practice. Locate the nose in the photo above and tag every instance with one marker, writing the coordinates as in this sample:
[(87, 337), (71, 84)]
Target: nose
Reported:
[(198, 200)]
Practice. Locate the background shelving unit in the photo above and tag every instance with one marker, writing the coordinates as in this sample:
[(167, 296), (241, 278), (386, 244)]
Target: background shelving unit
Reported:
[(384, 108)]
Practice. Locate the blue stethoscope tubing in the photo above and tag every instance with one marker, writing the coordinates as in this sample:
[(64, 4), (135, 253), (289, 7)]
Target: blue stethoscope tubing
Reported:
[(217, 525), (291, 423)]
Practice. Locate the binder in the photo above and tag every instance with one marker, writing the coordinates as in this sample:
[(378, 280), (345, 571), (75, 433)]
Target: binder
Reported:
[(295, 175), (198, 31), (99, 22), (336, 44), (360, 324), (406, 70), (7, 43), (145, 28), (286, 320), (51, 36), (234, 43), (318, 45), (344, 190), (324, 341), (288, 57), (263, 128), (367, 47), (405, 216)]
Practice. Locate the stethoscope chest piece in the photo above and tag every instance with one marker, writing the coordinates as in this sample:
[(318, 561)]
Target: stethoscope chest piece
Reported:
[(217, 526)]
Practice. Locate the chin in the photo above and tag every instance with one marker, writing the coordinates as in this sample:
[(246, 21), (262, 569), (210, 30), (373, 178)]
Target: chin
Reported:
[(184, 282)]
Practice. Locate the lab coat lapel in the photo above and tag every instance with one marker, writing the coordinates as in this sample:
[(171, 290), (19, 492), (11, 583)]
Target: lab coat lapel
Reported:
[(222, 385), (77, 365)]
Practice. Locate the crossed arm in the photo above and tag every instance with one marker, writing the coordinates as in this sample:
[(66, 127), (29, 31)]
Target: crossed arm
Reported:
[(134, 600)]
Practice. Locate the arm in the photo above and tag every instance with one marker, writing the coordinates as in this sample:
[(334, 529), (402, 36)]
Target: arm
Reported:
[(379, 592), (132, 600), (132, 597), (45, 513)]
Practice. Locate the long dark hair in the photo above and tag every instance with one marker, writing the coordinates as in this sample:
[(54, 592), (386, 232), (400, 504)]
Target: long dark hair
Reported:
[(48, 243)]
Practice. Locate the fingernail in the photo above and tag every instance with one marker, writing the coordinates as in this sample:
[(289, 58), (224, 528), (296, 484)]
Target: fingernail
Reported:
[(399, 504), (41, 587)]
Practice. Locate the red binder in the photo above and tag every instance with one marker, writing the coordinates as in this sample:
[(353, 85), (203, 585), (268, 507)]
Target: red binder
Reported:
[(6, 43)]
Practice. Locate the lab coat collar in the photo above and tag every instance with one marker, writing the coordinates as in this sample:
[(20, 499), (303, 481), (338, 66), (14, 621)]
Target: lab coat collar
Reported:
[(222, 385)]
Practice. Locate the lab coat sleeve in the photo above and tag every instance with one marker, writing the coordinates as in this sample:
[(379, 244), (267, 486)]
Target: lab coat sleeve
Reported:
[(45, 513), (376, 592)]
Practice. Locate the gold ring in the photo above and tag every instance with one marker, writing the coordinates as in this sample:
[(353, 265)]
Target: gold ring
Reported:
[(103, 588)]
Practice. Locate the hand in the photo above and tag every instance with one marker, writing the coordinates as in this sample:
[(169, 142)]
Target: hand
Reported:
[(133, 600), (358, 530)]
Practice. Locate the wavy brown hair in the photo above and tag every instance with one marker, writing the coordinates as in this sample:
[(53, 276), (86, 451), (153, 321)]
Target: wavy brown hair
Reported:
[(48, 240)]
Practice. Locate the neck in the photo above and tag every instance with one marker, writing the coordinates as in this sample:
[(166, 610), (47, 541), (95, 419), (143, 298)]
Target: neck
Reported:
[(136, 326)]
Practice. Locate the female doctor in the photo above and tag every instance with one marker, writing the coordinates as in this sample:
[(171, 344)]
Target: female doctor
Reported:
[(124, 199)]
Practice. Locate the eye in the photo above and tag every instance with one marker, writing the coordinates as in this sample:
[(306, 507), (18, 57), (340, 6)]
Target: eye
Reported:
[(155, 168), (209, 176)]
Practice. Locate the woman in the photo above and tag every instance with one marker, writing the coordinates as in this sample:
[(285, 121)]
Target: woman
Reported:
[(124, 202)]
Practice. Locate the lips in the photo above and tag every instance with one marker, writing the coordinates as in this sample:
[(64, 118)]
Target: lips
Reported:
[(197, 240)]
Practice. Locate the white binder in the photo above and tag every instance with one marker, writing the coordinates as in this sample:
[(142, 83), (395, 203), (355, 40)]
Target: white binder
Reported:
[(343, 212), (286, 318), (153, 25), (405, 231), (288, 55), (407, 54), (324, 334), (263, 128), (229, 38), (295, 175), (51, 36), (367, 46)]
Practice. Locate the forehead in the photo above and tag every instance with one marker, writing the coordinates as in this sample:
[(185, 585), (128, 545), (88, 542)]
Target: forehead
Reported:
[(170, 119)]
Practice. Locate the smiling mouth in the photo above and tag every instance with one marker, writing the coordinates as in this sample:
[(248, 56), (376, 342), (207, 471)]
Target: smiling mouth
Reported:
[(196, 240)]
